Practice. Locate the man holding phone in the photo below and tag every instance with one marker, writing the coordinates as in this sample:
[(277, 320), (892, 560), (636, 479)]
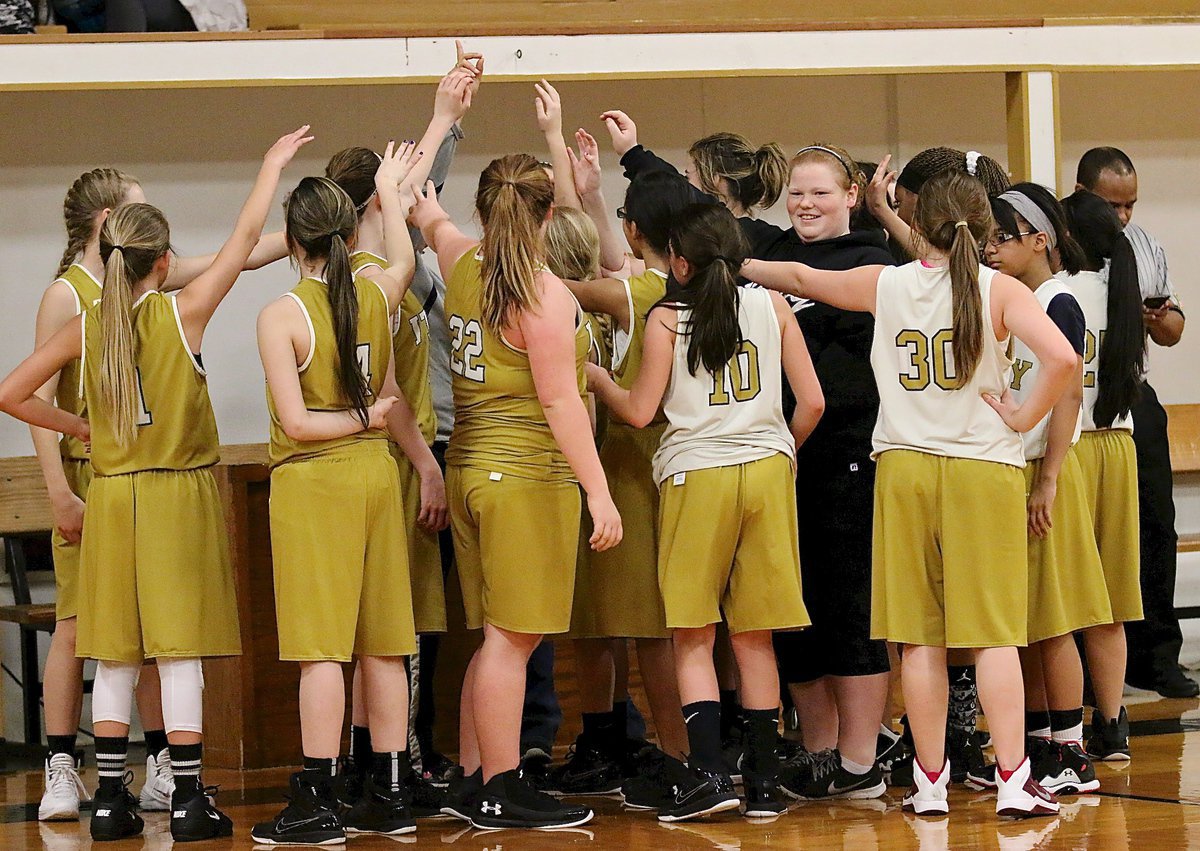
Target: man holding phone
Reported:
[(1155, 642)]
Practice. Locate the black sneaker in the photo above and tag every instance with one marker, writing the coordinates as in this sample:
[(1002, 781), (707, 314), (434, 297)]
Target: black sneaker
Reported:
[(700, 794), (510, 801), (1168, 682), (195, 817), (310, 818), (1066, 771), (829, 780), (437, 769), (382, 811), (654, 785), (350, 783), (901, 774), (461, 793), (733, 751), (1109, 740), (798, 771), (535, 767), (889, 747), (424, 799), (587, 771), (631, 756), (764, 799), (114, 816), (965, 755)]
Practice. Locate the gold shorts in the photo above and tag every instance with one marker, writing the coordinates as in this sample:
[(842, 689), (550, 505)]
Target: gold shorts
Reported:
[(424, 554)]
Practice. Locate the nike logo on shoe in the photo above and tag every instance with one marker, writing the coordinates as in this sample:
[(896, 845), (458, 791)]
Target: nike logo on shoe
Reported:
[(835, 789), (288, 825)]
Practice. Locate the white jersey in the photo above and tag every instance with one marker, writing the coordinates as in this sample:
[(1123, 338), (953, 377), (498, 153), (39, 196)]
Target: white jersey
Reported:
[(1091, 289), (1025, 376), (736, 415), (921, 406)]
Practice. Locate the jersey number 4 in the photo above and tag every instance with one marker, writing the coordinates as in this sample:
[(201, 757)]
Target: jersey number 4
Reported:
[(920, 356), (738, 378), (466, 347)]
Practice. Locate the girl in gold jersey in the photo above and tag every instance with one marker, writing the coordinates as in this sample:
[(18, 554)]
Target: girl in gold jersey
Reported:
[(521, 442), (156, 580)]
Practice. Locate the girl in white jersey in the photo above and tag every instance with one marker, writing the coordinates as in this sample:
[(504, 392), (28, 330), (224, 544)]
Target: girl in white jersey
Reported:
[(949, 562), (713, 357), (1067, 591), (1114, 362)]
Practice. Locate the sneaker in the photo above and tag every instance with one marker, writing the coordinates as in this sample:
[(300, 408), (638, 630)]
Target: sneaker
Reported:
[(653, 786), (535, 767), (350, 783), (764, 798), (799, 770), (113, 816), (983, 779), (733, 751), (160, 783), (830, 780), (1169, 682), (461, 793), (928, 797), (587, 771), (965, 755), (1020, 796), (424, 799), (437, 769), (510, 801), (700, 794), (310, 818), (631, 756), (64, 789), (196, 817), (1109, 740), (902, 771), (788, 749), (889, 747), (1068, 771), (381, 811)]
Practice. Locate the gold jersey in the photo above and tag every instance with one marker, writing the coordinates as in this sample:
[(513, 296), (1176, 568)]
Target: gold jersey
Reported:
[(410, 348), (499, 424), (69, 396), (319, 372), (176, 429), (642, 292)]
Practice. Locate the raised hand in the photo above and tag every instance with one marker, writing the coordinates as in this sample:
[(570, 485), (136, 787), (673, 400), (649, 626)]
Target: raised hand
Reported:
[(281, 153), (548, 106), (622, 130), (426, 207), (470, 62), (879, 190), (396, 163), (585, 166), (453, 97)]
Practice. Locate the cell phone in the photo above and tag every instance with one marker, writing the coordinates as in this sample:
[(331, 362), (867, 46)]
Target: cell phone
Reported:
[(1155, 302)]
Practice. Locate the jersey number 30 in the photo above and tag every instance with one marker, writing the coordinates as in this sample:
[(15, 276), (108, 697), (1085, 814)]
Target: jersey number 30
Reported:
[(916, 361), (466, 347), (739, 377)]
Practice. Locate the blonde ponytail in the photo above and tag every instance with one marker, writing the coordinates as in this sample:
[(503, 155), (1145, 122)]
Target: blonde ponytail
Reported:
[(515, 195), (132, 239)]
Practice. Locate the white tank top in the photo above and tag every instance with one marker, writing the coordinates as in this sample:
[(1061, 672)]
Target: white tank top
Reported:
[(920, 405), (735, 416), (1091, 289), (1025, 376)]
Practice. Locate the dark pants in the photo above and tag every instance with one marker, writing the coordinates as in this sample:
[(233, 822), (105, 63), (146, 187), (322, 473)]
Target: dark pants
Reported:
[(133, 16), (1154, 643)]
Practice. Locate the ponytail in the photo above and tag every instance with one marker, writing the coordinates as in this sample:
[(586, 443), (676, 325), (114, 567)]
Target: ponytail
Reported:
[(92, 192), (710, 239), (756, 177), (320, 219), (132, 239), (515, 196), (954, 216), (1122, 357)]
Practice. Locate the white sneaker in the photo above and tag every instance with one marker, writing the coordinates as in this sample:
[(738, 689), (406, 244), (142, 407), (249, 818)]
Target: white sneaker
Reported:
[(160, 783), (1020, 796), (928, 797), (64, 790)]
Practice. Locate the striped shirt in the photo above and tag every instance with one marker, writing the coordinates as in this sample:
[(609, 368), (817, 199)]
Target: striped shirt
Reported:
[(1151, 264)]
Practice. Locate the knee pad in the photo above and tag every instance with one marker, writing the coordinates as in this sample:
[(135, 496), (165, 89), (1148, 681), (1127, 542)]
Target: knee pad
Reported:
[(112, 691), (182, 694)]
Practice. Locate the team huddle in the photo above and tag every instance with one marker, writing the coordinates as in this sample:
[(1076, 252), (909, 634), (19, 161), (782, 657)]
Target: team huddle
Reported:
[(781, 460)]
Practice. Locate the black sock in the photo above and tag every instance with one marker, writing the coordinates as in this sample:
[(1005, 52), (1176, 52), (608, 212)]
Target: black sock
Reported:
[(156, 742), (762, 734), (61, 744), (1039, 720), (185, 766), (390, 769), (320, 772), (731, 718), (964, 699), (703, 720), (1064, 719), (620, 711), (360, 749), (111, 752)]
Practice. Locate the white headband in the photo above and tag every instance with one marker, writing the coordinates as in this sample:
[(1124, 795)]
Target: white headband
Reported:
[(972, 161), (1032, 213)]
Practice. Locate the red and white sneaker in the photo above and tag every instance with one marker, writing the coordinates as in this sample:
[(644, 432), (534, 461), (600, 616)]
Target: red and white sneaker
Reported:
[(928, 797), (1020, 796)]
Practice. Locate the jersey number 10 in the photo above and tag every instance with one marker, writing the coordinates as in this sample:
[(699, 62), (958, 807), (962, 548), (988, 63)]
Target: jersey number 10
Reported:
[(739, 377)]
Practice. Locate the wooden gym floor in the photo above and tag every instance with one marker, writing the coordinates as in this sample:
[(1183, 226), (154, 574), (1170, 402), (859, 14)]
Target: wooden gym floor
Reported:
[(1151, 804)]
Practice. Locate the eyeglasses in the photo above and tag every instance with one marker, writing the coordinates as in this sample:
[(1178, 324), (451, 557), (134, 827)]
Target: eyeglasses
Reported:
[(999, 238), (620, 212)]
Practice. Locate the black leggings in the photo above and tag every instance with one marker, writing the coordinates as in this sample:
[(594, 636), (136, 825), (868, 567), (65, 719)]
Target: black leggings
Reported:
[(140, 16)]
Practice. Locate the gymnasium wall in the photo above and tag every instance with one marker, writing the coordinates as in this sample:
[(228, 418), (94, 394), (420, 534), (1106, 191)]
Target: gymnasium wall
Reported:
[(196, 152)]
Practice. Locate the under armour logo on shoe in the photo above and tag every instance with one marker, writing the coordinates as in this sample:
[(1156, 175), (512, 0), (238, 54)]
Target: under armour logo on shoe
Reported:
[(490, 809)]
